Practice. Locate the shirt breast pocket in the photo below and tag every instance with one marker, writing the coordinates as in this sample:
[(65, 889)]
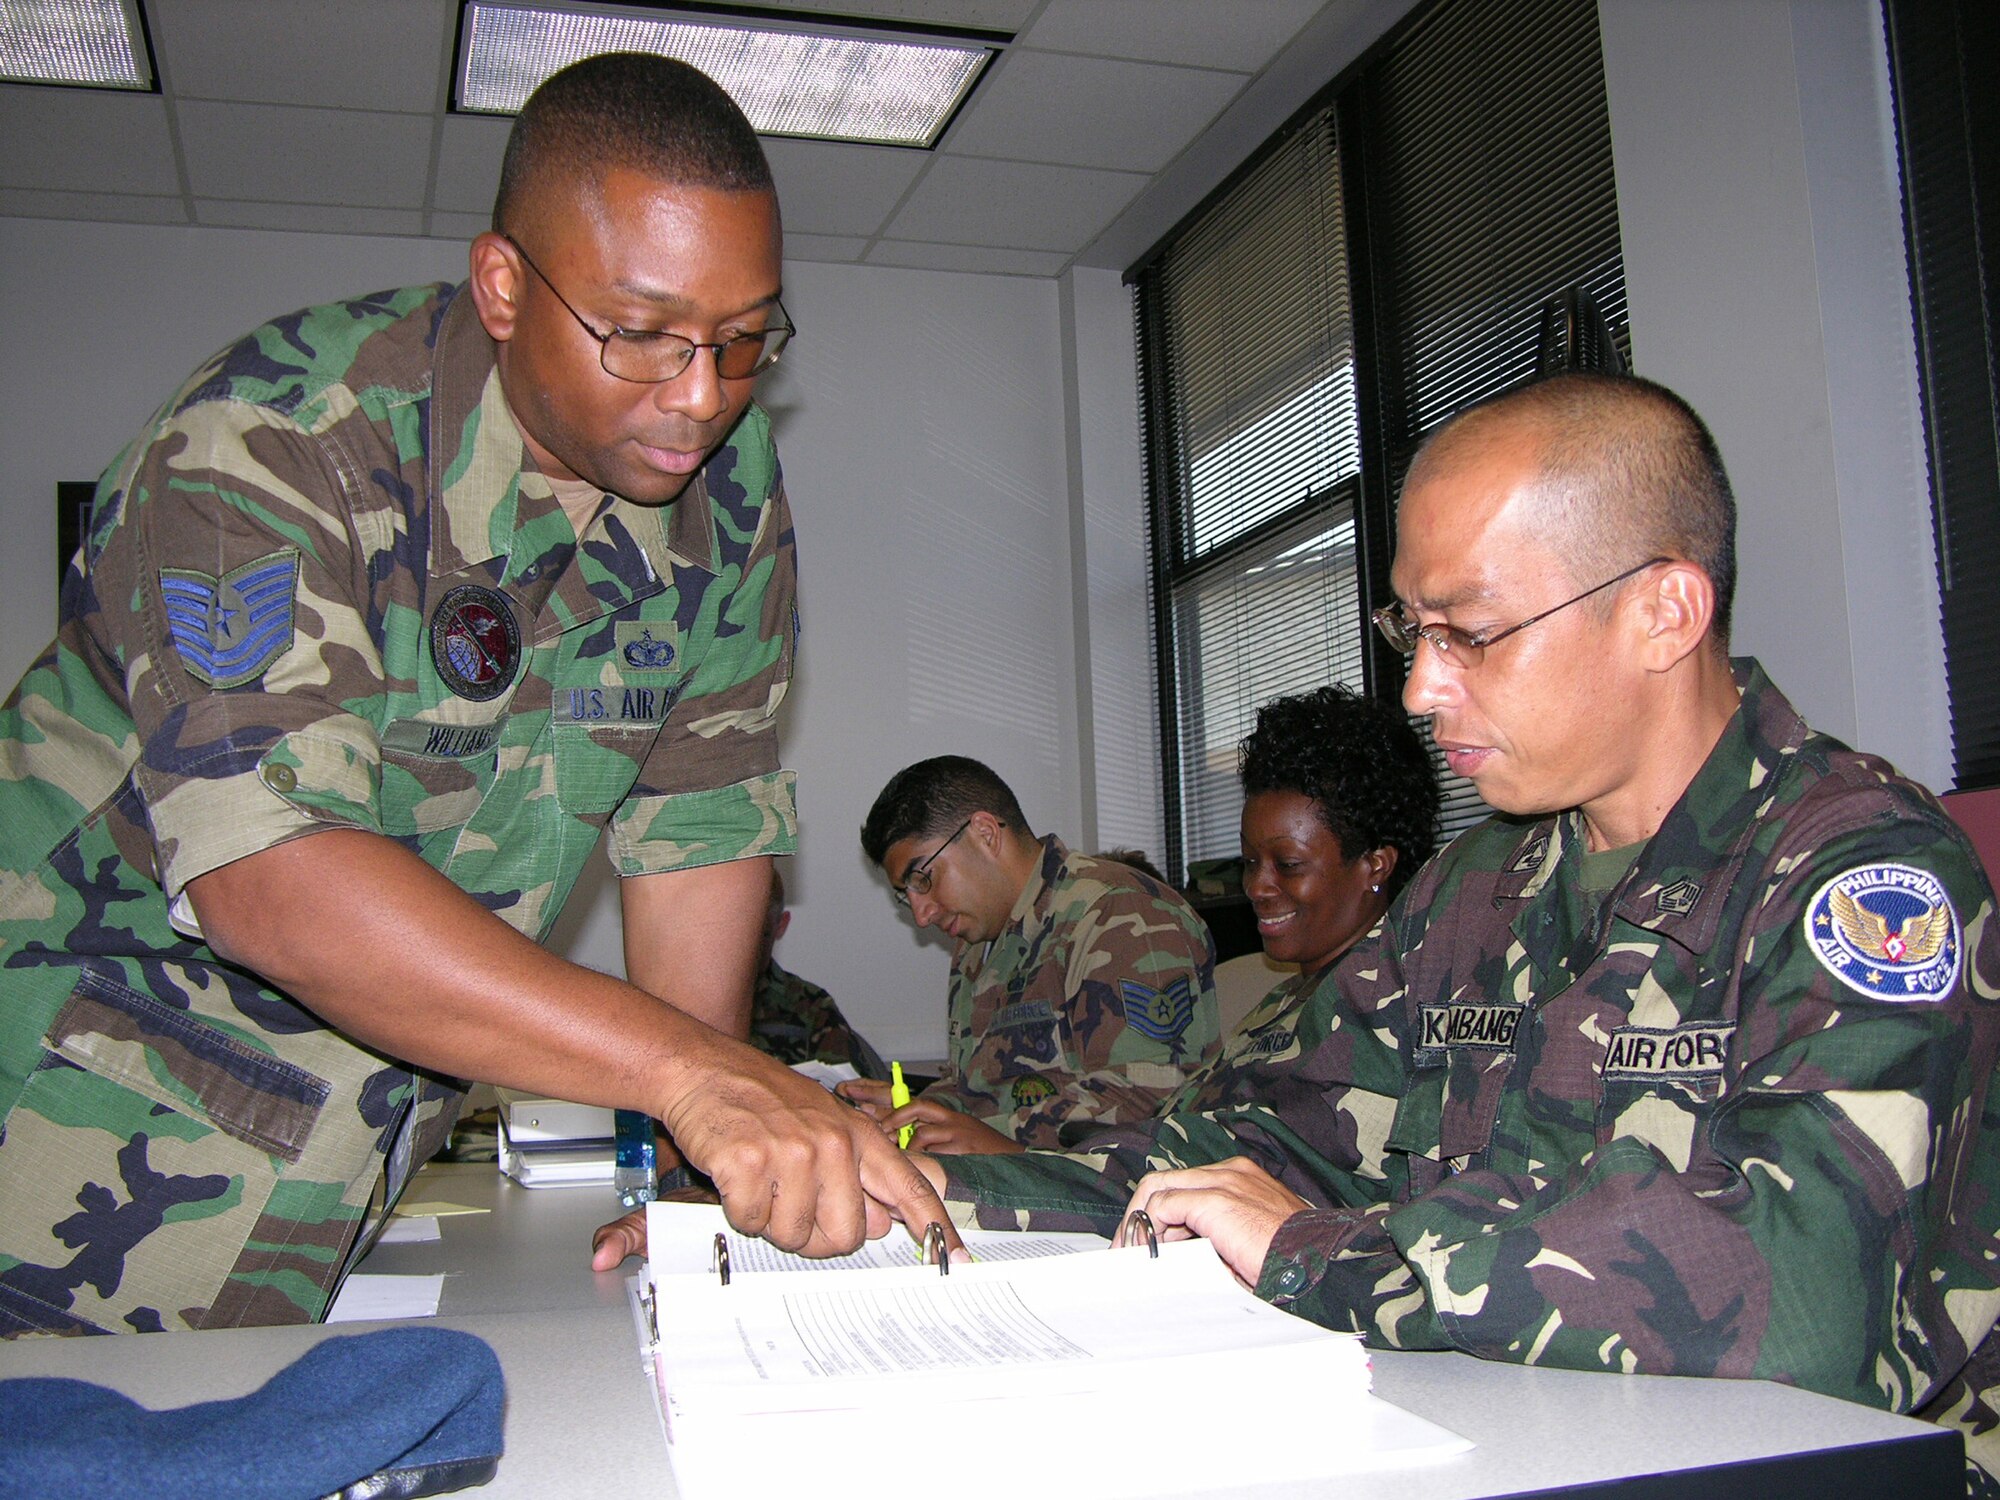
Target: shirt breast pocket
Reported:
[(597, 765), (1659, 1085), (435, 774)]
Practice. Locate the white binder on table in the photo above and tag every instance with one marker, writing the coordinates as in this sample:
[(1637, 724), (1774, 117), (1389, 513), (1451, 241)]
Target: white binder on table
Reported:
[(1070, 1358)]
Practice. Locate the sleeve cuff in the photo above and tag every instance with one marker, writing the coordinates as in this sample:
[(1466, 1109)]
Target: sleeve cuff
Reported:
[(652, 835), (319, 776)]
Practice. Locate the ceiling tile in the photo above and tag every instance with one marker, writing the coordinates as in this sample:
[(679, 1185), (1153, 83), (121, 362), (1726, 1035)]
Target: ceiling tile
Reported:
[(112, 208), (825, 187), (975, 258), (1090, 111), (346, 54), (1241, 35), (1014, 205), (272, 153), (469, 158), (460, 226), (823, 247), (981, 15), (85, 139), (310, 218)]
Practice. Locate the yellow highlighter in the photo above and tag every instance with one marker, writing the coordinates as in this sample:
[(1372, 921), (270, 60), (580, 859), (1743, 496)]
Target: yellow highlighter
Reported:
[(899, 1095)]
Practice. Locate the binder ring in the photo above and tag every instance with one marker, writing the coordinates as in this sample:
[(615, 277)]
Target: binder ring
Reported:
[(718, 1259), (934, 1235), (1140, 1221)]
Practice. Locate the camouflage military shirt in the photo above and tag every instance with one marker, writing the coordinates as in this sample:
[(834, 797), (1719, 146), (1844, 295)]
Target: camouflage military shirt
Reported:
[(1090, 1008), (795, 1021), (1733, 1121), (328, 589)]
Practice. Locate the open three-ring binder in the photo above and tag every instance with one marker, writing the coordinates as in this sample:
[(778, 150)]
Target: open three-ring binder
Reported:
[(1052, 1360)]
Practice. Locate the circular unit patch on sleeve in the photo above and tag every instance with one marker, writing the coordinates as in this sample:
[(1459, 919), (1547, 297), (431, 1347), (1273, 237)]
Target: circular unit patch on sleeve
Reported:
[(1887, 931)]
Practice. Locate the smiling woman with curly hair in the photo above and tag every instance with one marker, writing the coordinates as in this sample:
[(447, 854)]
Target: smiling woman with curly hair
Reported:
[(1340, 806)]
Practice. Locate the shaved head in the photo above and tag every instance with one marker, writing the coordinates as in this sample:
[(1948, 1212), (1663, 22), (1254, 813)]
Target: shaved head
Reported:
[(647, 114), (1626, 471)]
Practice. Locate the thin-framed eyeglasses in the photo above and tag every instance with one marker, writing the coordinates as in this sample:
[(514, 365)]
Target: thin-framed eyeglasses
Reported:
[(1462, 648), (649, 356), (920, 880)]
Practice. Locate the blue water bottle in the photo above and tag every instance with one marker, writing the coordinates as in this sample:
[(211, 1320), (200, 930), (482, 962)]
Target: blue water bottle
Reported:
[(635, 1173)]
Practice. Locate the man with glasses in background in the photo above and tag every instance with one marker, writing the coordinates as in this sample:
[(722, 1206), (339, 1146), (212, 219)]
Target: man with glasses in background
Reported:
[(396, 609), (1082, 992), (1682, 1066)]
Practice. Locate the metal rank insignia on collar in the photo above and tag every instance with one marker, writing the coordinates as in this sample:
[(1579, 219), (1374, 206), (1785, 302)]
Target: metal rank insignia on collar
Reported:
[(475, 643)]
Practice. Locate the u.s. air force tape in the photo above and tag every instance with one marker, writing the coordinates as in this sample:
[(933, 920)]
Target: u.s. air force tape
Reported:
[(1887, 931)]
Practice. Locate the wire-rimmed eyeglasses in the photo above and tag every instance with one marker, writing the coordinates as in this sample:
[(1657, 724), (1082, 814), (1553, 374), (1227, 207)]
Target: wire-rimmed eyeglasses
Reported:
[(920, 880), (1461, 648), (649, 356)]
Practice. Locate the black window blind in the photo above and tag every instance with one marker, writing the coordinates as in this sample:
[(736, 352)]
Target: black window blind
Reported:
[(1482, 145), (1948, 131), (1384, 262), (1252, 456)]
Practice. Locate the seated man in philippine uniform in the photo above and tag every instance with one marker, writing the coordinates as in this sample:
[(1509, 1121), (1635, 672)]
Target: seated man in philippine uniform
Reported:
[(1680, 1065)]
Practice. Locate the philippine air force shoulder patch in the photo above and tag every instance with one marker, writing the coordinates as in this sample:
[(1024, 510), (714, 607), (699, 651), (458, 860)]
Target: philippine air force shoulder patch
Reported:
[(1888, 932)]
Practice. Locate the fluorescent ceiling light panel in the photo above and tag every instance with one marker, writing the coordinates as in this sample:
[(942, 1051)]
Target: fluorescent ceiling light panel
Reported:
[(99, 43), (806, 80)]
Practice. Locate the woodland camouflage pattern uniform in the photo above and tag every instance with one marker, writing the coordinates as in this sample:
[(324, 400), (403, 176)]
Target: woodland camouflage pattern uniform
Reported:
[(329, 517), (1664, 1136), (1089, 1009), (795, 1021)]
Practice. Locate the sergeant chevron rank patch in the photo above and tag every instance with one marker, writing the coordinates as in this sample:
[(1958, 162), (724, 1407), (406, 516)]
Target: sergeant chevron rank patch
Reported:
[(1160, 1014), (229, 629), (1886, 931)]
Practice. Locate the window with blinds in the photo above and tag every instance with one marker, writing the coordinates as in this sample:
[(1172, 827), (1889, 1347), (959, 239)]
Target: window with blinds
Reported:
[(1948, 129), (1484, 163), (1384, 263), (1253, 457)]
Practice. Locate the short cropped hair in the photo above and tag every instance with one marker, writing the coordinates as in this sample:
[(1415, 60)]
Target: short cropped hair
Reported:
[(635, 110), (1367, 771), (1629, 471), (932, 798)]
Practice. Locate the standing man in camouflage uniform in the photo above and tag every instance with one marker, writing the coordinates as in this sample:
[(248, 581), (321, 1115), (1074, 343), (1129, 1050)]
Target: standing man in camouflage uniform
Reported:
[(397, 606), (1082, 992), (1682, 1069)]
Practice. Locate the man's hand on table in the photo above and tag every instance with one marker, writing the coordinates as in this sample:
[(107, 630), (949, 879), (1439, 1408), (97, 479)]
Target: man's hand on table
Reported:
[(782, 1151), (1236, 1205)]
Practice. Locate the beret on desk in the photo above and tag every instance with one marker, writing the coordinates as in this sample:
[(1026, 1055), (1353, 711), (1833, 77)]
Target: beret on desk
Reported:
[(395, 1413)]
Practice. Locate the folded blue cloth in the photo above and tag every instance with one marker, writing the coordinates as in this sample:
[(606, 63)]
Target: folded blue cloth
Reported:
[(400, 1412)]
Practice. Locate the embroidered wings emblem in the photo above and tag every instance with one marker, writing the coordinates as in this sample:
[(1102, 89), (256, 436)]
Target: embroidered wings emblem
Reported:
[(1917, 940)]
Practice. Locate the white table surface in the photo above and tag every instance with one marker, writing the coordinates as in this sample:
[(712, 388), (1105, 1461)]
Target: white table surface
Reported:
[(581, 1422)]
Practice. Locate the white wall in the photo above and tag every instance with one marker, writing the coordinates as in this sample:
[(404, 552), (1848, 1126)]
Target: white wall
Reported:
[(1760, 208), (1117, 693), (921, 424)]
